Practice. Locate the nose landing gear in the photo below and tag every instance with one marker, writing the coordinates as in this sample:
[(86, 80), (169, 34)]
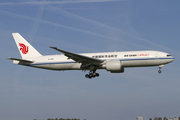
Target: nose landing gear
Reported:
[(160, 69)]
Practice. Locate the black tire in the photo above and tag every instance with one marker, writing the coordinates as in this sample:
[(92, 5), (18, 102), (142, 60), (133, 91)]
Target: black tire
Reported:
[(87, 76), (93, 74), (90, 75)]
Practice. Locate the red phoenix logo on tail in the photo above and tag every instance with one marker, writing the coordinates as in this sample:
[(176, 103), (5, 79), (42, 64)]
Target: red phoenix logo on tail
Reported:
[(24, 48)]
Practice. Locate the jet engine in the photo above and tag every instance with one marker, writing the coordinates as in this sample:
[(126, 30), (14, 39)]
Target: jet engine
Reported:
[(114, 66)]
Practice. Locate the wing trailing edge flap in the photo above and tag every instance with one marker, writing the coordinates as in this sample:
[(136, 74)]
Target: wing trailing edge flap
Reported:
[(79, 58)]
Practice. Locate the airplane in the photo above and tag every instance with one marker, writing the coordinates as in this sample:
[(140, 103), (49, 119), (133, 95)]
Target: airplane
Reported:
[(114, 62)]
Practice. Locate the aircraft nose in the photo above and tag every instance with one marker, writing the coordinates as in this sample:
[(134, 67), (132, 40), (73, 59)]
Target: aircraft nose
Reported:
[(171, 60)]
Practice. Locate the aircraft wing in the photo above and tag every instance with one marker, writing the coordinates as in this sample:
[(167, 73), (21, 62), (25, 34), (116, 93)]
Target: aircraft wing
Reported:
[(79, 58)]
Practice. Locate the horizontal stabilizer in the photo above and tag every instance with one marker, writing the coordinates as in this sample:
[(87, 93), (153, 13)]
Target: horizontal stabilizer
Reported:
[(21, 60)]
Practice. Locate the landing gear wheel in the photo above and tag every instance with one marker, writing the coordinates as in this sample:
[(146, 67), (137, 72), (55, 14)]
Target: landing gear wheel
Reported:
[(97, 74), (92, 75), (87, 76), (159, 71)]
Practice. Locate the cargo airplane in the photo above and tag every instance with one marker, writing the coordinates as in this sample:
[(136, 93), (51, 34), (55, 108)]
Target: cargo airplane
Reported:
[(115, 62)]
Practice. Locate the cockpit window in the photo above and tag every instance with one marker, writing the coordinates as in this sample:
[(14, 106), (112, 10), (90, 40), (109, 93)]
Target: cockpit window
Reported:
[(168, 55)]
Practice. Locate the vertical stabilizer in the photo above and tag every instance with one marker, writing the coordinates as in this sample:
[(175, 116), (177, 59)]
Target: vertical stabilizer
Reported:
[(25, 49)]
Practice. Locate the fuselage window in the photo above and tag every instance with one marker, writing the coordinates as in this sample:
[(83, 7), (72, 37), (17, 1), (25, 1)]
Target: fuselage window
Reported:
[(168, 55)]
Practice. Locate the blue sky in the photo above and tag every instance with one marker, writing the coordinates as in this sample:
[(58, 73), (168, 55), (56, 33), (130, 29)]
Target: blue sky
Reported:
[(82, 26)]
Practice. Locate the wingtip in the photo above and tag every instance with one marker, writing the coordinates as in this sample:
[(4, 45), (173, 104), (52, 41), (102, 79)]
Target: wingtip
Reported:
[(53, 47), (9, 58)]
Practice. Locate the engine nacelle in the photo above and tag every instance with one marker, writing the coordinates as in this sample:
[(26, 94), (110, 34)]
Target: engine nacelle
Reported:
[(114, 66)]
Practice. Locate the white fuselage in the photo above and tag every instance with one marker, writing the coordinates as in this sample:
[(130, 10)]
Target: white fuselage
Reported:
[(127, 59), (114, 62)]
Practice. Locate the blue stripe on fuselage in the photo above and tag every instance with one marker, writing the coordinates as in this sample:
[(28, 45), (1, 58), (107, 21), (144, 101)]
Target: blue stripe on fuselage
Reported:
[(104, 59)]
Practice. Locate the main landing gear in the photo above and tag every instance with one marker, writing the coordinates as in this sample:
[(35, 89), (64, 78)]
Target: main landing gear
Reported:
[(92, 74)]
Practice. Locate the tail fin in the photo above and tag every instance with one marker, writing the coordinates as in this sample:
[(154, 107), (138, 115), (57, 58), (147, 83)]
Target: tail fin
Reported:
[(25, 49)]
